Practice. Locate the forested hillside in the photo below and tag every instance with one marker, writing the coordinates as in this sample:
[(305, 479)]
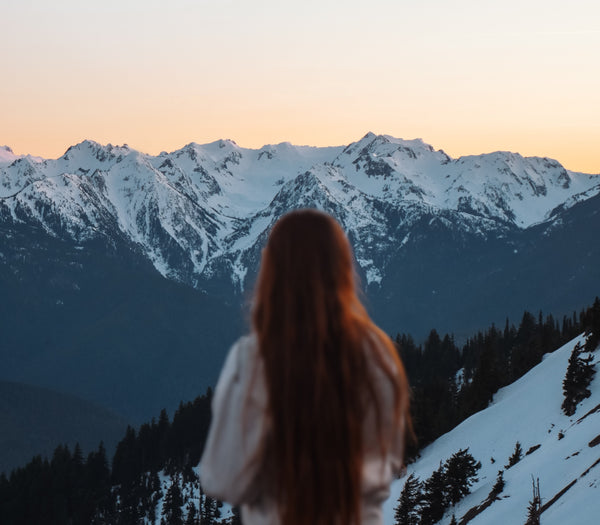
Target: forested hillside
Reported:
[(152, 477)]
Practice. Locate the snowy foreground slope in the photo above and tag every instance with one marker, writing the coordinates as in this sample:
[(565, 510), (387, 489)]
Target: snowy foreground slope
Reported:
[(528, 411)]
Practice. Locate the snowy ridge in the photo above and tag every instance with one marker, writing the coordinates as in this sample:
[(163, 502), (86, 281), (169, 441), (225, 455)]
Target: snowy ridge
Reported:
[(7, 157), (204, 210), (528, 411)]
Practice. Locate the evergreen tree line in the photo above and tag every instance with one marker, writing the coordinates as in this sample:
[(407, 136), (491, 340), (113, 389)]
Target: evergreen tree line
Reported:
[(450, 383), (163, 445), (65, 489), (424, 503), (125, 490), (69, 489)]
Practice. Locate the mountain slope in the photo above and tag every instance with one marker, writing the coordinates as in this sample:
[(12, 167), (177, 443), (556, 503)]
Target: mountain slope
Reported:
[(456, 282), (36, 420), (97, 321), (528, 411)]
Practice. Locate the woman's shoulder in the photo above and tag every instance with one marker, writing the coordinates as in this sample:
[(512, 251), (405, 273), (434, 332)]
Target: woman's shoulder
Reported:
[(244, 350), (243, 364), (247, 342), (238, 357), (379, 350)]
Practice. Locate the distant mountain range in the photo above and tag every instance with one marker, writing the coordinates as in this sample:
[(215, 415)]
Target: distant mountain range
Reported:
[(201, 211), (124, 276)]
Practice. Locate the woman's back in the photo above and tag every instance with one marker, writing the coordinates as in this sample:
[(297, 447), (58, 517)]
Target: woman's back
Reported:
[(230, 467), (333, 389)]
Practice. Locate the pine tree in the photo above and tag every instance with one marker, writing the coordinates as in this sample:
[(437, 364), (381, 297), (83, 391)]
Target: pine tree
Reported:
[(453, 521), (526, 353), (498, 486), (210, 510), (191, 514), (78, 455), (592, 328), (580, 372), (407, 510), (61, 465), (124, 467), (172, 513), (535, 505), (435, 499), (459, 473), (516, 456)]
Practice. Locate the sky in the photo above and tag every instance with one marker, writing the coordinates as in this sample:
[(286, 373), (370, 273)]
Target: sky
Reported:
[(466, 76)]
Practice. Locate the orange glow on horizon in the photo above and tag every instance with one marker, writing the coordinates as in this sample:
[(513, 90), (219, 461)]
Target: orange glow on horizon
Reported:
[(469, 81), (573, 153)]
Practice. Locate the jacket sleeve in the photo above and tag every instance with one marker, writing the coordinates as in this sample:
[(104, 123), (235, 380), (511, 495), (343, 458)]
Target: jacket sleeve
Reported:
[(228, 466)]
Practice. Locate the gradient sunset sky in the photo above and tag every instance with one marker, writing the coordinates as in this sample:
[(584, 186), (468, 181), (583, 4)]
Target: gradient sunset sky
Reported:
[(466, 76)]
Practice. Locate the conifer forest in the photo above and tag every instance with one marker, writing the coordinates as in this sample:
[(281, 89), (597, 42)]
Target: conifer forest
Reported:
[(152, 476)]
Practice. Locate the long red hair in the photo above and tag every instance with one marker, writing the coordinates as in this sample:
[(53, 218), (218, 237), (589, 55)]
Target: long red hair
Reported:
[(316, 341)]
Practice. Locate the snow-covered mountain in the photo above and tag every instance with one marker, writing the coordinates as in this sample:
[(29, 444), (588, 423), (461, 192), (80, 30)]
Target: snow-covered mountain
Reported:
[(133, 268), (562, 451), (203, 211)]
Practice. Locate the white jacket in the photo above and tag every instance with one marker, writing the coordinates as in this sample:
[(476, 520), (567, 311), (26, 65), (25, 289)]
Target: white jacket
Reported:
[(227, 469)]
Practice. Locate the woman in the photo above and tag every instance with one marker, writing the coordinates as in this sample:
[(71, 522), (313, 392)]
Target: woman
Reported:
[(311, 409)]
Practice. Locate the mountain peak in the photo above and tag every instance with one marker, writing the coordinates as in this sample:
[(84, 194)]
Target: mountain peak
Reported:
[(369, 136), (87, 144), (84, 144), (223, 143), (87, 150), (7, 156)]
